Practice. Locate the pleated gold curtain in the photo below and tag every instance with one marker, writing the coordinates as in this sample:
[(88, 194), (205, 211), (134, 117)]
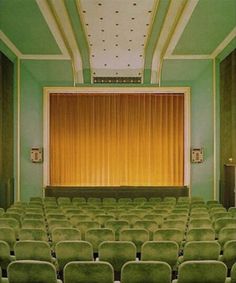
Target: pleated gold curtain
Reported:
[(116, 139)]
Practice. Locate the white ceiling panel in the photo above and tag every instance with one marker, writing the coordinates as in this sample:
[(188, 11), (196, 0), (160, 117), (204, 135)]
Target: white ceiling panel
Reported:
[(117, 31)]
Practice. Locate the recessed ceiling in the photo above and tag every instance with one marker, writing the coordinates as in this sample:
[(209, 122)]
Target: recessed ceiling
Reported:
[(83, 39), (117, 32)]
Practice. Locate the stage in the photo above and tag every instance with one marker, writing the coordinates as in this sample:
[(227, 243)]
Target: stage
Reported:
[(116, 192)]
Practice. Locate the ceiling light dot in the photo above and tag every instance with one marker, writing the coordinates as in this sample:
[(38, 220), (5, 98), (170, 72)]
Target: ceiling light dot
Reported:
[(91, 44), (129, 49), (94, 73), (116, 73), (144, 35), (147, 25), (149, 11), (89, 35), (117, 24), (103, 40), (102, 30), (87, 24), (128, 65), (132, 18), (130, 40), (131, 30), (117, 56), (142, 44), (104, 49), (93, 55), (116, 44), (134, 4), (101, 19), (84, 11), (140, 55), (117, 12), (117, 35), (105, 65)]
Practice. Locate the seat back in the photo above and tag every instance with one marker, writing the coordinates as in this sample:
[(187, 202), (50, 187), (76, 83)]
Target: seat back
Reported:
[(201, 250), (233, 273), (150, 225), (229, 253), (87, 272), (137, 236), (33, 234), (146, 271), (166, 251), (117, 253), (226, 234), (33, 250), (223, 223), (97, 236), (117, 226), (64, 234), (83, 226), (169, 234), (67, 251), (200, 234), (206, 271), (5, 255), (28, 271), (8, 235)]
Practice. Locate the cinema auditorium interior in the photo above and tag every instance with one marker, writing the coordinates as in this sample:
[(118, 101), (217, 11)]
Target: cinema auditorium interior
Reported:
[(118, 141)]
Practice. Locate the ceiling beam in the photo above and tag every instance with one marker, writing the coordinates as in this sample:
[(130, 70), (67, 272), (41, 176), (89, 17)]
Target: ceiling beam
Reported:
[(62, 18), (182, 23), (10, 44), (51, 22), (171, 20)]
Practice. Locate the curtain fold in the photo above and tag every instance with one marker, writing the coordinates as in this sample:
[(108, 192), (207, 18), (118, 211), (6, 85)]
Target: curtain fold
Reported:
[(116, 139)]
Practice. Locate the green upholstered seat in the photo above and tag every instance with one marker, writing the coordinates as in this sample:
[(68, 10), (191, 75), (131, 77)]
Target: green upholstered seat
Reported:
[(200, 250), (117, 253), (200, 234), (96, 236), (10, 223), (218, 215), (229, 253), (136, 235), (159, 219), (33, 250), (233, 273), (169, 234), (131, 218), (124, 200), (140, 200), (150, 225), (5, 255), (67, 251), (32, 271), (154, 200), (140, 212), (55, 216), (201, 215), (232, 211), (83, 226), (2, 211), (209, 202), (33, 223), (206, 271), (78, 200), (36, 234), (223, 223), (75, 219), (65, 234), (161, 211), (183, 199), (94, 200), (226, 234), (200, 223), (103, 218), (117, 226), (63, 200), (146, 272), (33, 215), (166, 251), (58, 223), (107, 201), (88, 272), (72, 211), (8, 235), (179, 224)]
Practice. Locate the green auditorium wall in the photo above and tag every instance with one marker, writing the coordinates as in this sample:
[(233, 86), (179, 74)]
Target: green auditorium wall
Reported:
[(33, 76)]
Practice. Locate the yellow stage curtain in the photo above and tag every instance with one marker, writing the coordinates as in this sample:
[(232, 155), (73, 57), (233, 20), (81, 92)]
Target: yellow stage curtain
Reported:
[(117, 139)]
